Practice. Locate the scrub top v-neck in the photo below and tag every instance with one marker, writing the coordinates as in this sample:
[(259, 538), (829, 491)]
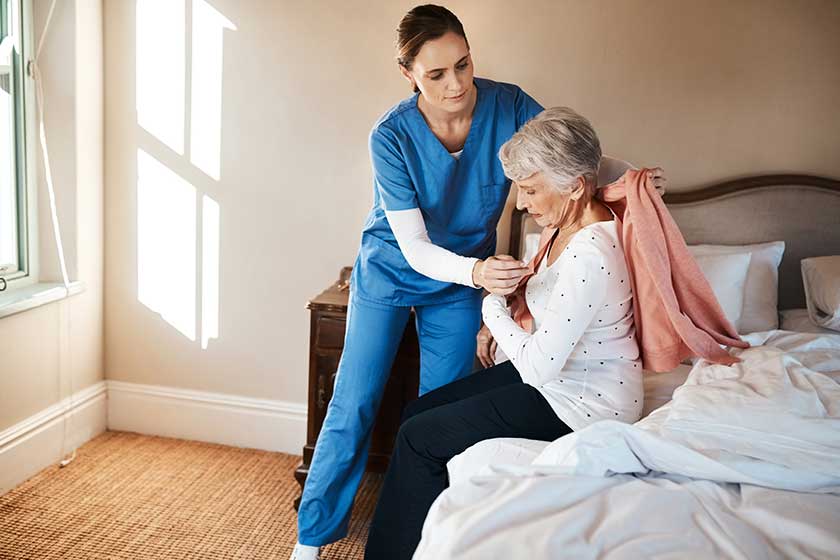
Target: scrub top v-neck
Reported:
[(461, 199)]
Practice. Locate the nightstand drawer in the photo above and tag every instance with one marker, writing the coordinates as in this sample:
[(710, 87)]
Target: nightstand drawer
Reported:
[(330, 333)]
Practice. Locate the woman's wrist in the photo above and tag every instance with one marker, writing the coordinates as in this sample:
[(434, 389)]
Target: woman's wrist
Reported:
[(478, 274)]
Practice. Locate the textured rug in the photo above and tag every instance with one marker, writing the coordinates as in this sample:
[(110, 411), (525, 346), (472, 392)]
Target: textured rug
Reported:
[(129, 496)]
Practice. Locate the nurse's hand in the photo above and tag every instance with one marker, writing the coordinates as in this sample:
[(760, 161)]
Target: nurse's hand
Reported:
[(485, 347), (657, 177), (499, 274)]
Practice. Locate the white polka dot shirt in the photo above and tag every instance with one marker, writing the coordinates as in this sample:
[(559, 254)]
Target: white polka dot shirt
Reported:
[(582, 356)]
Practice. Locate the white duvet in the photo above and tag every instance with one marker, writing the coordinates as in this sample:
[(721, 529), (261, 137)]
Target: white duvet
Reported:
[(744, 462)]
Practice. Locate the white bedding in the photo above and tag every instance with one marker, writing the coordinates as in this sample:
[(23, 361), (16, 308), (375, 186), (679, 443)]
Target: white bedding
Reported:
[(659, 387), (744, 462)]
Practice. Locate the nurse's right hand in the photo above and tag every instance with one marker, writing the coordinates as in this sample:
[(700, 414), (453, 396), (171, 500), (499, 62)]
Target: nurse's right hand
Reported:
[(499, 274)]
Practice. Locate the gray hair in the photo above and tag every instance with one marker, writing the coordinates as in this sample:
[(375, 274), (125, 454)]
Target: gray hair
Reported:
[(558, 142)]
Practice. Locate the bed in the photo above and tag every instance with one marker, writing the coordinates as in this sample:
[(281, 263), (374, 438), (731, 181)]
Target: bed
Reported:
[(728, 462)]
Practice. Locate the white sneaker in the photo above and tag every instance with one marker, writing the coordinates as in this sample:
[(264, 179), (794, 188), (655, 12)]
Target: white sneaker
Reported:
[(304, 552)]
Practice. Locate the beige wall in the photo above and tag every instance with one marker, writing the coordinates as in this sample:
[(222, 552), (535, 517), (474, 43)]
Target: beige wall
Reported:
[(708, 90), (64, 339)]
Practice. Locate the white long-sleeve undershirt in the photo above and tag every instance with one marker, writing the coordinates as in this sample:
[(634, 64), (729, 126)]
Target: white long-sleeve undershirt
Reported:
[(442, 264), (424, 256)]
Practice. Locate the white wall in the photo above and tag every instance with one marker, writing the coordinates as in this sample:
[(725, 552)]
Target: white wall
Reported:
[(708, 90)]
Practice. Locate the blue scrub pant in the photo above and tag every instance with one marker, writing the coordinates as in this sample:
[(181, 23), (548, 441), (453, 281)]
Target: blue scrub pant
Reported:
[(446, 334)]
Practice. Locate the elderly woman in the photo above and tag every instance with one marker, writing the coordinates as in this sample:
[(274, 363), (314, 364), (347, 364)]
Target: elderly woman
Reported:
[(579, 364)]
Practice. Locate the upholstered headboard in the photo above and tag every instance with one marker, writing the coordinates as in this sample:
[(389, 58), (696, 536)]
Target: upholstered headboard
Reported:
[(801, 210)]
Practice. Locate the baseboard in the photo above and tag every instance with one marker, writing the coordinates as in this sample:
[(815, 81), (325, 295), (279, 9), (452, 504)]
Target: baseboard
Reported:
[(210, 417), (35, 443)]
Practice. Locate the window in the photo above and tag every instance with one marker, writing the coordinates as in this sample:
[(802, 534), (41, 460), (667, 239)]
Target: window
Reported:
[(14, 194)]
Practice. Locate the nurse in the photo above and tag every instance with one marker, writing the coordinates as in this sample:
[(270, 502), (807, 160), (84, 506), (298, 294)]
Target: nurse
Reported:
[(428, 244)]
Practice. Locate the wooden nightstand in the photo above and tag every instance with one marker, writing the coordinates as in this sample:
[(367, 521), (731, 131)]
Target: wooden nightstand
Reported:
[(326, 342)]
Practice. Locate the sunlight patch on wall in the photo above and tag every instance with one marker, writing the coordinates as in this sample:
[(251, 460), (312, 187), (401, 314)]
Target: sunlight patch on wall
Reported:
[(166, 244), (161, 67), (178, 264), (208, 27), (210, 213)]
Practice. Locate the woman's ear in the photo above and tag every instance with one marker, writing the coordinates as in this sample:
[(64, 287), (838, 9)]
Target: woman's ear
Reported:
[(578, 189), (407, 75)]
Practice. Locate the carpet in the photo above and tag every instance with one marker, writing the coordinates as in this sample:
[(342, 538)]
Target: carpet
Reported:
[(130, 496)]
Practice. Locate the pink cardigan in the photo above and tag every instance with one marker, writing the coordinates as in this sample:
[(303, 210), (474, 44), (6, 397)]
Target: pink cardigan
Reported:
[(674, 309)]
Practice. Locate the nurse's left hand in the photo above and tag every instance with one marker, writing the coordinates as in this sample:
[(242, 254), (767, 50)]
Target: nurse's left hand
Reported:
[(657, 177)]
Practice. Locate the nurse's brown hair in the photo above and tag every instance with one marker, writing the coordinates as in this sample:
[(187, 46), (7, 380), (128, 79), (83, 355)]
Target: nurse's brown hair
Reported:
[(421, 24)]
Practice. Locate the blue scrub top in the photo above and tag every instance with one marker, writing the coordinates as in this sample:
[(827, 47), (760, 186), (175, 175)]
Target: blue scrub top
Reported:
[(461, 199)]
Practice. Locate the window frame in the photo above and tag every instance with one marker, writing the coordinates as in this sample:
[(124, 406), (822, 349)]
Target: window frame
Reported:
[(24, 146)]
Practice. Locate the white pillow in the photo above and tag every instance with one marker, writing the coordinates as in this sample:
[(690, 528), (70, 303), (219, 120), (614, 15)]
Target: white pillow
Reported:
[(798, 320), (727, 274), (821, 277), (761, 291)]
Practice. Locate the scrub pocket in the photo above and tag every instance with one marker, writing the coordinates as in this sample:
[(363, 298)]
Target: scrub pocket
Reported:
[(379, 268)]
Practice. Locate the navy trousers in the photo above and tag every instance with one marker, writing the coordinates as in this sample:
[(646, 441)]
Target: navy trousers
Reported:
[(439, 425)]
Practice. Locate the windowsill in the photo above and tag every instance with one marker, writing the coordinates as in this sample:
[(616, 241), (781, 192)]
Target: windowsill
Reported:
[(35, 295)]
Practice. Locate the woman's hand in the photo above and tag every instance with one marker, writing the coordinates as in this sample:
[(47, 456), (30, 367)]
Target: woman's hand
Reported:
[(485, 347), (657, 177), (498, 275)]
